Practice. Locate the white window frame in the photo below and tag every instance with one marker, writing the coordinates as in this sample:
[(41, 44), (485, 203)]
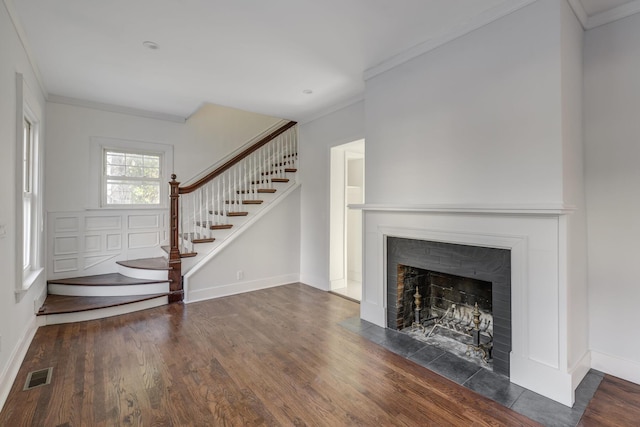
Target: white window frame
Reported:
[(97, 189), (29, 234)]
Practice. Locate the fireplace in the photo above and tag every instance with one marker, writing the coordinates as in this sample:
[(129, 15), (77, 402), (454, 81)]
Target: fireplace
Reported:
[(451, 280)]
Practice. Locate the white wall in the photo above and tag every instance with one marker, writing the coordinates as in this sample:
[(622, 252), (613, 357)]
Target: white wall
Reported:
[(612, 131), (207, 136), (315, 141), (267, 254), (69, 132), (17, 319), (477, 120)]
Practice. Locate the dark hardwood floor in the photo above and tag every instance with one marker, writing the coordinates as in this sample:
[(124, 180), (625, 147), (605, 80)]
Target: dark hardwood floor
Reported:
[(271, 357)]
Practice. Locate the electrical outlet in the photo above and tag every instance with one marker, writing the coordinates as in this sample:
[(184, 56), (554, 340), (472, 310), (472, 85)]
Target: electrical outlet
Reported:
[(240, 274)]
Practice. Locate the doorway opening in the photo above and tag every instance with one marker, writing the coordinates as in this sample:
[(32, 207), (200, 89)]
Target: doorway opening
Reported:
[(347, 188)]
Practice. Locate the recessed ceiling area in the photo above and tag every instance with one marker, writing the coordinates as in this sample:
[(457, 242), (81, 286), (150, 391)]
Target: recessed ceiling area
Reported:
[(294, 59)]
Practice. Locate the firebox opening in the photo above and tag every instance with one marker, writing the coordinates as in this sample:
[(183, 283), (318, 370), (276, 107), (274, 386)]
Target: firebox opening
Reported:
[(452, 312)]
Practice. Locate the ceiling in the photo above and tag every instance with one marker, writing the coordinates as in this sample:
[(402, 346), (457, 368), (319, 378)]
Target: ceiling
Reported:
[(255, 55)]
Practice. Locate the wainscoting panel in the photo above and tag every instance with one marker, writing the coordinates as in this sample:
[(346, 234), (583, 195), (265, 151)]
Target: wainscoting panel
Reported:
[(89, 242)]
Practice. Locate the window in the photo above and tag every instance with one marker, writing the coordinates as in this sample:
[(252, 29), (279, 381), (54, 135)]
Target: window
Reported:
[(28, 202), (29, 242), (129, 174), (131, 178)]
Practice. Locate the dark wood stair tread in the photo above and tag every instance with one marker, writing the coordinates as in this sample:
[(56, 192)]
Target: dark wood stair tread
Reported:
[(167, 249), (214, 226), (244, 202), (59, 304), (197, 238), (279, 179), (291, 170), (259, 190), (111, 279), (159, 263), (226, 213), (220, 226)]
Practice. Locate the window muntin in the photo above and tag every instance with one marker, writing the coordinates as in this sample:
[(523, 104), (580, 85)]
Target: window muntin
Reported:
[(131, 177)]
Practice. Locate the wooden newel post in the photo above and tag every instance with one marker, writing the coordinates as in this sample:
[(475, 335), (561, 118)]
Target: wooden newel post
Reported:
[(175, 263)]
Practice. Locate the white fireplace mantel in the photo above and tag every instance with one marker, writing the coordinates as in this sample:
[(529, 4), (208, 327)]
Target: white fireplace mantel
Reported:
[(521, 209), (536, 235)]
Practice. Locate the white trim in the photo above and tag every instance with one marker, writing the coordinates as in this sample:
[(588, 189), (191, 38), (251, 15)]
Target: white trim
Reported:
[(477, 22), (614, 14), (59, 99), (239, 288), (17, 25), (578, 10), (332, 109), (27, 106), (8, 376), (532, 209), (617, 366), (580, 369)]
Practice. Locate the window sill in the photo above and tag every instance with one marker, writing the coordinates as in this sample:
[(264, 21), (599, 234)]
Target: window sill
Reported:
[(28, 280), (128, 208)]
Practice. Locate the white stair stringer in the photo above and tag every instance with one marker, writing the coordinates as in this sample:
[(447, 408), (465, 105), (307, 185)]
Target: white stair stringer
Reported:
[(238, 222), (192, 265)]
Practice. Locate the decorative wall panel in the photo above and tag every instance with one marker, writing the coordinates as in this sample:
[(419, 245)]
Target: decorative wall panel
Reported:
[(89, 242)]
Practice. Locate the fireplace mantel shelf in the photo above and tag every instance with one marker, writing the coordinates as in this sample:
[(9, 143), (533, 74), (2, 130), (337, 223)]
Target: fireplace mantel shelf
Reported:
[(542, 209)]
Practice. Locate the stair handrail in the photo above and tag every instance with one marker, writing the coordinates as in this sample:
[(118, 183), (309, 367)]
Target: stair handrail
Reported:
[(235, 159), (176, 291)]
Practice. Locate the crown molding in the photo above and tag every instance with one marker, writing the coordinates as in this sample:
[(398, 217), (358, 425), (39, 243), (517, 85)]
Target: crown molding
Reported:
[(58, 99), (477, 22), (17, 25), (332, 109), (614, 14), (578, 10)]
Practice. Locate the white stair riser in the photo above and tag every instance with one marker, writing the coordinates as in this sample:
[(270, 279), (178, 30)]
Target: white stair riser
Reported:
[(101, 313), (108, 291), (139, 273)]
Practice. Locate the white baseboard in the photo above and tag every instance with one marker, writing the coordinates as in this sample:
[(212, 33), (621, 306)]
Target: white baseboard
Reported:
[(580, 369), (618, 367), (239, 288), (317, 282), (8, 375)]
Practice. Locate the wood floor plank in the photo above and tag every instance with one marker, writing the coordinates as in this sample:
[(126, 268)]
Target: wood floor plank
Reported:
[(271, 357)]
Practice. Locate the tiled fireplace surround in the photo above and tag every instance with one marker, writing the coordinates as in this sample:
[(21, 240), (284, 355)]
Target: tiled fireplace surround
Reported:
[(536, 239), (487, 264)]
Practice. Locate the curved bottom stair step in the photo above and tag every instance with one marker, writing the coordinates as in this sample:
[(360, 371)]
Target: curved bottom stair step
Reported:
[(65, 309), (106, 285)]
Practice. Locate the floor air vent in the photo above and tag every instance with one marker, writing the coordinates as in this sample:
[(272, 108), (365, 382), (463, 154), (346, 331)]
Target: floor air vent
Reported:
[(38, 378)]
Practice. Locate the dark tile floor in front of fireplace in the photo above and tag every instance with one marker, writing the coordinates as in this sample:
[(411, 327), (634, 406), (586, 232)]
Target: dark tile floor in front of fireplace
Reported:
[(494, 386)]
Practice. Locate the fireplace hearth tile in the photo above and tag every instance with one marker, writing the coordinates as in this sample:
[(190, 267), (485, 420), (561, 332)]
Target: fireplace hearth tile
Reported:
[(454, 368), (546, 411), (495, 387), (587, 388), (397, 342), (484, 382), (355, 324), (426, 355)]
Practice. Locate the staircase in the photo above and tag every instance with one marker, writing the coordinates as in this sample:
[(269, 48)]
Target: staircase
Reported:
[(205, 216)]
